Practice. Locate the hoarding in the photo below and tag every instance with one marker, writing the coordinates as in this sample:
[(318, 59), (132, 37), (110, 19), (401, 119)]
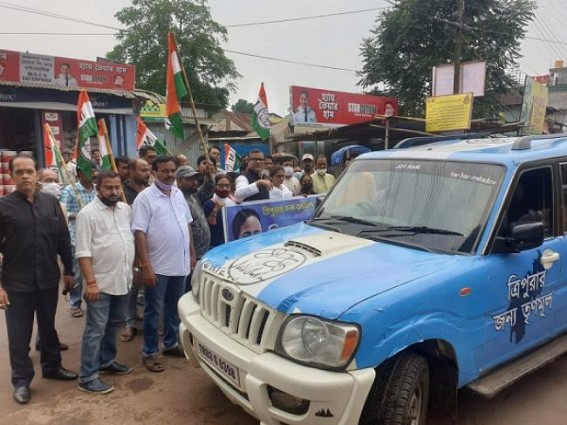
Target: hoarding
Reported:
[(472, 79), (32, 69), (534, 106), (448, 113), (332, 108)]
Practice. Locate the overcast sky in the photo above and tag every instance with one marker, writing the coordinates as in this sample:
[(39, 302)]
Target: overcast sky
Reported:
[(333, 41)]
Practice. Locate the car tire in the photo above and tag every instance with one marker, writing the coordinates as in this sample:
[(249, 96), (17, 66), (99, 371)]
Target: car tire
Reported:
[(400, 393)]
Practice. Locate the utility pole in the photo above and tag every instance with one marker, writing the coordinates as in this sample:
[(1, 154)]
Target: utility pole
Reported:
[(459, 15)]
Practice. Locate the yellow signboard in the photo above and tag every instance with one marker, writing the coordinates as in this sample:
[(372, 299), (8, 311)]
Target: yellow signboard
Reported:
[(153, 111), (447, 113)]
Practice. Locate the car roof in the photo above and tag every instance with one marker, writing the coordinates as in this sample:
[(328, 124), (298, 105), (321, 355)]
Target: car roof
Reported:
[(505, 150)]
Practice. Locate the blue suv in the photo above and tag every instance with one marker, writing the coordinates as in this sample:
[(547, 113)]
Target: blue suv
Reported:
[(430, 267)]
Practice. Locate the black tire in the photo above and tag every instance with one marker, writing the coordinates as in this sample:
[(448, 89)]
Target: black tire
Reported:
[(400, 393)]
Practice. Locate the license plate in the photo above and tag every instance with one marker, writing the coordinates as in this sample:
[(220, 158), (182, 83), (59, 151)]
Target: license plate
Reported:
[(224, 368)]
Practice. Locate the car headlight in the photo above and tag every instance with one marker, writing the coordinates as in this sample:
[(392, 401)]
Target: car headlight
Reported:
[(317, 342), (196, 277)]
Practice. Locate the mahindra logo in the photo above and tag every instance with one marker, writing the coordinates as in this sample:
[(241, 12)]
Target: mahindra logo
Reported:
[(227, 294)]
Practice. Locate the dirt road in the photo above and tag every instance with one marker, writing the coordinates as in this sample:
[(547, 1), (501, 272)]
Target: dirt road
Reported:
[(182, 395)]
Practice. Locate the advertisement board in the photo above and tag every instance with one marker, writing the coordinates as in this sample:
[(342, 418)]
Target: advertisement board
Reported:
[(332, 108), (251, 218), (448, 113), (534, 106), (30, 68), (472, 79)]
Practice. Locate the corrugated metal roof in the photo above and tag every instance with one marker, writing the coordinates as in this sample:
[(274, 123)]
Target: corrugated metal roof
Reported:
[(122, 93)]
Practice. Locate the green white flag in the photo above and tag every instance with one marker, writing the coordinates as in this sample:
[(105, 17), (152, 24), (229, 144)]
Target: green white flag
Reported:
[(87, 128), (260, 116)]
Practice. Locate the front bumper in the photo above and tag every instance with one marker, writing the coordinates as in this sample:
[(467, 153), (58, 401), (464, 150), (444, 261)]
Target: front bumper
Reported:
[(336, 397)]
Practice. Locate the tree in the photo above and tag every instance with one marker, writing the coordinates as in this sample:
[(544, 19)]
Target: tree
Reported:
[(143, 43), (243, 106), (413, 36)]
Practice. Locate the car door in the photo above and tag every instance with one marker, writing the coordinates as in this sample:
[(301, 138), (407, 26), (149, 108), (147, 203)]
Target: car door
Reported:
[(523, 286)]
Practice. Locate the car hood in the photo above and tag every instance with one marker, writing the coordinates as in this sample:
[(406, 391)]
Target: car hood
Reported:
[(303, 269)]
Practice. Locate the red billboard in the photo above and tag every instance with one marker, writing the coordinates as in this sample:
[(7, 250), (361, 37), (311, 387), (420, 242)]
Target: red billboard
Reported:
[(29, 68), (327, 107)]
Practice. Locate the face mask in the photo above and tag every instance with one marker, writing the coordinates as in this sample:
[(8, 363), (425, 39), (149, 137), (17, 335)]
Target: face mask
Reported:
[(222, 193), (322, 171), (163, 186), (51, 188), (306, 187), (288, 171), (109, 202)]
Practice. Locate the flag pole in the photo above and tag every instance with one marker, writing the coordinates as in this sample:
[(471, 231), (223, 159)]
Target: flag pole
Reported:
[(63, 166), (201, 138), (102, 123)]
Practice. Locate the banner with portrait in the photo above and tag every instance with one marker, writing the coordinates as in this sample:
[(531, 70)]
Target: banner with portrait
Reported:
[(251, 218)]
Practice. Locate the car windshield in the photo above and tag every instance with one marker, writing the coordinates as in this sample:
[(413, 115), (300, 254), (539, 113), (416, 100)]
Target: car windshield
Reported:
[(432, 205)]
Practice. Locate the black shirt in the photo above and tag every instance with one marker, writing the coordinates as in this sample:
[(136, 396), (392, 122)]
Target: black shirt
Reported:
[(129, 193), (31, 236)]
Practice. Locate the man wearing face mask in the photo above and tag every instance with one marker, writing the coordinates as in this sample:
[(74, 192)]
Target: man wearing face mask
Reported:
[(164, 244), (105, 250), (188, 183), (322, 181), (290, 181), (49, 182)]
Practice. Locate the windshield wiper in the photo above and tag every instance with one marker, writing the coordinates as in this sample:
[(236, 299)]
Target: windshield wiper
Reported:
[(344, 219), (413, 230)]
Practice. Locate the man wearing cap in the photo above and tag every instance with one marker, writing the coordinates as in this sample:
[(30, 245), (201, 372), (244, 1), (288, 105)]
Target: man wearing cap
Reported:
[(307, 162), (188, 183), (74, 198)]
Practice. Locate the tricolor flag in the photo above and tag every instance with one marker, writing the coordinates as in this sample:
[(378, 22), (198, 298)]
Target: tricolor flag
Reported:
[(104, 153), (232, 159), (145, 137), (86, 123), (49, 148), (260, 116), (175, 90)]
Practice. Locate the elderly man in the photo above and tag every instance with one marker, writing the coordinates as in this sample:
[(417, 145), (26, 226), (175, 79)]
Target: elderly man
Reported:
[(250, 186), (33, 231), (105, 249), (322, 181), (162, 230)]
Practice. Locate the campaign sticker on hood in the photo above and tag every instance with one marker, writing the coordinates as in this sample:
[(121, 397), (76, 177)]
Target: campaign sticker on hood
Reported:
[(264, 265)]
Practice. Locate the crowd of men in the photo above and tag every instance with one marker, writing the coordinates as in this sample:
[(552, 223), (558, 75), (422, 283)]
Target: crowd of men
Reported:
[(120, 238)]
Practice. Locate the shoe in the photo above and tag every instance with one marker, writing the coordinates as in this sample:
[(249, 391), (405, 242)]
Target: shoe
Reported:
[(60, 374), (176, 351), (116, 369), (62, 347), (22, 394), (96, 386)]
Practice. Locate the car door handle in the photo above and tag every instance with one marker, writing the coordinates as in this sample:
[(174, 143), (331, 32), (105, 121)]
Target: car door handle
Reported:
[(548, 258)]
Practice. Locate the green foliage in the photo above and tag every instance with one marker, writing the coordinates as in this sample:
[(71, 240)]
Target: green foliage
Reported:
[(415, 35), (243, 106), (144, 44)]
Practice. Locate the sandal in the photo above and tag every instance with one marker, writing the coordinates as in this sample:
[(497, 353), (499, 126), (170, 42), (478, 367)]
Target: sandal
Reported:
[(128, 334), (76, 312), (152, 364)]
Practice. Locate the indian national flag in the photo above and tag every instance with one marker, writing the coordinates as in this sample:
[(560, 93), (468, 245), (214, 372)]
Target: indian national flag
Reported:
[(104, 153), (260, 116), (87, 128), (145, 137), (175, 90), (232, 159), (49, 148)]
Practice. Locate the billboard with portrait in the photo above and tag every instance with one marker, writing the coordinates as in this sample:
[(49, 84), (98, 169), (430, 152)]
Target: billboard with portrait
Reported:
[(42, 70), (251, 218), (332, 108)]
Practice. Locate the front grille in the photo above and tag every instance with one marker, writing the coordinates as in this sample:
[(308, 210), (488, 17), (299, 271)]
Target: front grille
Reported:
[(243, 318)]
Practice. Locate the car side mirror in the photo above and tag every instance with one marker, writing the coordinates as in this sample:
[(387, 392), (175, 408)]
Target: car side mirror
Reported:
[(523, 236)]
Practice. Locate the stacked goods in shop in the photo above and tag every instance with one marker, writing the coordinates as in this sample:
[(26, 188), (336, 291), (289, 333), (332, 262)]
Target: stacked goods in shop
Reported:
[(7, 183)]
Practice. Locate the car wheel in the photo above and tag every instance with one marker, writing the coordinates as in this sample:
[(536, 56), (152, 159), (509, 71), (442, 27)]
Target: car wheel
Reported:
[(400, 392)]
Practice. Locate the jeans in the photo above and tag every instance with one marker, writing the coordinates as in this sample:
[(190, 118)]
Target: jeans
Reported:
[(132, 306), (19, 322), (77, 292), (104, 318), (164, 296)]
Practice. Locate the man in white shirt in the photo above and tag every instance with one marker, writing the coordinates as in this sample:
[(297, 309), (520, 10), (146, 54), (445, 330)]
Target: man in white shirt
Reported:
[(250, 186), (304, 113), (166, 254), (105, 250), (290, 181)]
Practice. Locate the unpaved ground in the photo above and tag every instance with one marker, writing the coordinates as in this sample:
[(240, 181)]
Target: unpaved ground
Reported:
[(183, 395)]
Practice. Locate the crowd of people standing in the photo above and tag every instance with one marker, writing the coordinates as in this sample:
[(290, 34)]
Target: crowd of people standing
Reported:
[(120, 237)]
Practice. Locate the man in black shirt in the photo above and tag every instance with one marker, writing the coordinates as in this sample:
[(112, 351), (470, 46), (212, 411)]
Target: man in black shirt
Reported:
[(33, 231)]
